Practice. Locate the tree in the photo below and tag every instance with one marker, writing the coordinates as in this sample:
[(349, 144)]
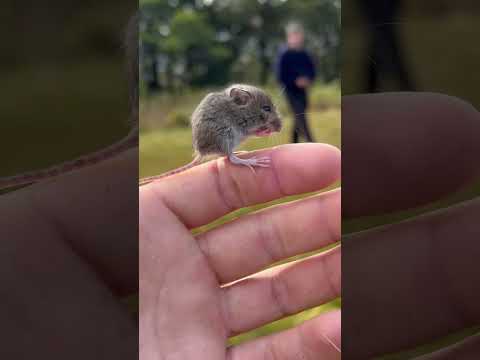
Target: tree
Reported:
[(202, 41)]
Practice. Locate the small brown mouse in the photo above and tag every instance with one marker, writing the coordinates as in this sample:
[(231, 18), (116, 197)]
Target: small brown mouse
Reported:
[(224, 119)]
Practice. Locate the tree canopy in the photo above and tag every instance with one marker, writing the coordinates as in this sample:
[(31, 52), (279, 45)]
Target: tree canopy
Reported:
[(212, 42)]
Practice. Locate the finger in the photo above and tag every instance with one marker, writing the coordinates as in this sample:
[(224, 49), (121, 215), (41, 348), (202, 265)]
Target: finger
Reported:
[(423, 146), (434, 261), (318, 338), (281, 291), (100, 225), (179, 300), (251, 243), (47, 287), (207, 192), (466, 349)]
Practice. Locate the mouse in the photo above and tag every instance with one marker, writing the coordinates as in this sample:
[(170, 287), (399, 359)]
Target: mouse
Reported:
[(223, 120)]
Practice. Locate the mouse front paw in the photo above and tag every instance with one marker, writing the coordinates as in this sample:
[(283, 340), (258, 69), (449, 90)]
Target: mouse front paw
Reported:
[(252, 162), (263, 161)]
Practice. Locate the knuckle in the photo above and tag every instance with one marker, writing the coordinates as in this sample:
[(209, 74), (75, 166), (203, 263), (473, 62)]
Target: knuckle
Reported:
[(280, 294)]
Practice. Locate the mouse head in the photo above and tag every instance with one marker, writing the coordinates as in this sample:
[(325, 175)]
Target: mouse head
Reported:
[(258, 114)]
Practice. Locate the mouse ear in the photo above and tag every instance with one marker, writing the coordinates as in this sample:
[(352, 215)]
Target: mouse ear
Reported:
[(240, 96)]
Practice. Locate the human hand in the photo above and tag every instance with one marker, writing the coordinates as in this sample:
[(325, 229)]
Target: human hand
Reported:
[(412, 282), (302, 82), (188, 303), (69, 256)]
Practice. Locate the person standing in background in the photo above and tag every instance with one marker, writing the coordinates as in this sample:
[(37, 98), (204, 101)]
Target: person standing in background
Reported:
[(296, 72)]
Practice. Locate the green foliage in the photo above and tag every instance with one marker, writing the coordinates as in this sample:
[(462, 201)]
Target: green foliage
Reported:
[(188, 30), (214, 42)]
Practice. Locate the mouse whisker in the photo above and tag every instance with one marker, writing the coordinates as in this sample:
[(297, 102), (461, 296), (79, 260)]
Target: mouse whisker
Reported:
[(275, 97)]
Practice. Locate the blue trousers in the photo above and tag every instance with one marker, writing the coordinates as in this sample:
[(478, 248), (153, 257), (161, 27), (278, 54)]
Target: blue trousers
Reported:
[(298, 105)]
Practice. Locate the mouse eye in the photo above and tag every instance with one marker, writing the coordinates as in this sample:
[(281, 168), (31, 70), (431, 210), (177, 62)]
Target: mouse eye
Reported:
[(267, 108)]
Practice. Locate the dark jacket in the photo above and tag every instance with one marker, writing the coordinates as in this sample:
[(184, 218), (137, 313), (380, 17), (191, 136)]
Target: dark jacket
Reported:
[(292, 64)]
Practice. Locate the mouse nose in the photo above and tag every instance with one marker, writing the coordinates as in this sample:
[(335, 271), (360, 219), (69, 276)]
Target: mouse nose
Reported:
[(276, 124)]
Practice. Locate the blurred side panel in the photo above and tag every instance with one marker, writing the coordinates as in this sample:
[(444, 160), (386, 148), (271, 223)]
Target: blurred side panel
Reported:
[(410, 174), (69, 254)]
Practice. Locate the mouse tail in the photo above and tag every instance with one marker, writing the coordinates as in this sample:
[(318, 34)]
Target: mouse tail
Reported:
[(28, 178), (197, 160)]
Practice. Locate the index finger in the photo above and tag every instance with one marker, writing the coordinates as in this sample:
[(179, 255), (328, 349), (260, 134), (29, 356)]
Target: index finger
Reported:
[(434, 257), (209, 191), (403, 150)]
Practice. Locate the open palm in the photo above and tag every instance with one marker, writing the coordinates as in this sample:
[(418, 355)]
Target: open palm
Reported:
[(196, 291)]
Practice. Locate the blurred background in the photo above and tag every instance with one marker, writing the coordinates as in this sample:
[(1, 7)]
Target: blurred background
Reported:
[(412, 45), (64, 86), (189, 48), (408, 45), (418, 46)]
